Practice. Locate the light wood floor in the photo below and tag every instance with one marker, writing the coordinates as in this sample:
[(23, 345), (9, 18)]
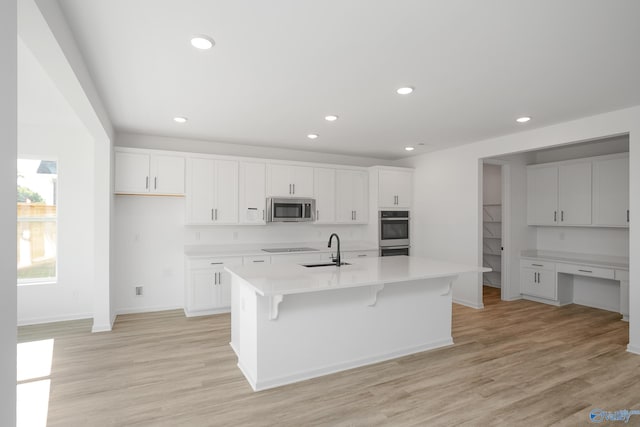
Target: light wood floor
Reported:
[(514, 364)]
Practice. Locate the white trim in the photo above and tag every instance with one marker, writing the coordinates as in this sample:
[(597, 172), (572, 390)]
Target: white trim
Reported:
[(53, 319), (206, 312), (338, 367), (580, 160), (136, 310), (468, 303), (633, 349)]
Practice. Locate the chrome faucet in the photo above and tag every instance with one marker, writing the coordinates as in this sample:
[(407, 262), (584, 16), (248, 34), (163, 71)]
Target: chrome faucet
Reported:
[(337, 258)]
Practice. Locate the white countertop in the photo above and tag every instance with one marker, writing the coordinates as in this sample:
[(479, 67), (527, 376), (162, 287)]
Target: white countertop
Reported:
[(253, 249), (606, 261), (285, 279)]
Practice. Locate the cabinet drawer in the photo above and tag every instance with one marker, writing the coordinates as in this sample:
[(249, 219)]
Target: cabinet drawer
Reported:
[(585, 270), (257, 260), (360, 254), (537, 264), (213, 262)]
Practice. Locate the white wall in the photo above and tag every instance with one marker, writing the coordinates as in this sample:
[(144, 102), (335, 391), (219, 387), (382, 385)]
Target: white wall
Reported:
[(221, 148), (72, 296), (149, 241), (8, 136), (447, 195)]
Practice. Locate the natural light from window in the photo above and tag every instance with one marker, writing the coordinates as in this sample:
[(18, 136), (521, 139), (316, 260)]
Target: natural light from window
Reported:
[(37, 204), (34, 370)]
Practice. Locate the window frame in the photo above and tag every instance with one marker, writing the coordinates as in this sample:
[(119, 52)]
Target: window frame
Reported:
[(43, 280)]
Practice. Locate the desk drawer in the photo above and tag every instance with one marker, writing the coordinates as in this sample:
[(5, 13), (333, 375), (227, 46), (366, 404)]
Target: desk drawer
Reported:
[(585, 270), (537, 264), (214, 262)]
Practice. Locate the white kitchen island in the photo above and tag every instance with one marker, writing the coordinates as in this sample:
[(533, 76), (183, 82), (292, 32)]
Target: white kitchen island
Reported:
[(290, 323)]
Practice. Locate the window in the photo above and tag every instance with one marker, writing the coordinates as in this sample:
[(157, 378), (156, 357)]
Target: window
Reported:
[(37, 221)]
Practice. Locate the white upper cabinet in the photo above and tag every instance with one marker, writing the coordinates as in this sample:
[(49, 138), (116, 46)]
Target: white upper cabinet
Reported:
[(352, 197), (394, 188), (212, 196), (611, 192), (325, 195), (252, 193), (542, 196), (146, 173), (559, 195), (574, 194), (289, 181)]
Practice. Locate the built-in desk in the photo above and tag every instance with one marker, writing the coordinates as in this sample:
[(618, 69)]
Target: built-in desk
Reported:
[(547, 276)]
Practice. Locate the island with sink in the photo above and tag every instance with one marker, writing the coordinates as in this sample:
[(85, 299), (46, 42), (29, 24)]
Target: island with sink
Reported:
[(292, 322)]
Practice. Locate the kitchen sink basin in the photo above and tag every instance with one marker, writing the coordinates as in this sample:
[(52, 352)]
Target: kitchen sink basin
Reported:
[(324, 264)]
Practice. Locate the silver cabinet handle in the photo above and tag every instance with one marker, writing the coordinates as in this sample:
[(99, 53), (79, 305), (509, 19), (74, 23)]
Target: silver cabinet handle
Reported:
[(217, 263), (561, 216), (555, 216), (216, 213), (263, 214), (146, 184), (155, 183), (537, 265), (586, 271), (258, 260), (627, 215), (534, 277), (317, 215), (211, 214), (294, 189), (362, 255), (355, 215), (215, 278)]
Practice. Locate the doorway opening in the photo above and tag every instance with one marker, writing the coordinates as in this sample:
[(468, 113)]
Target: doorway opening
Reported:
[(492, 229)]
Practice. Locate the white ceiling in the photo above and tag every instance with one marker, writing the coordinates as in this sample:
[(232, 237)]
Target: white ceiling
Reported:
[(280, 66)]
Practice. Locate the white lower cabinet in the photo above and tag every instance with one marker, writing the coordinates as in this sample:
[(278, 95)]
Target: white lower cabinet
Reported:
[(538, 282), (208, 289), (538, 279)]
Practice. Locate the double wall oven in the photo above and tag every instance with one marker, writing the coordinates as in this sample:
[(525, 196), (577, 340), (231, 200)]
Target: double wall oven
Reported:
[(394, 233)]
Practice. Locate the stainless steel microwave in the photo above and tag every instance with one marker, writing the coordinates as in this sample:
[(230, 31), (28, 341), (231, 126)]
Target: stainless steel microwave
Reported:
[(285, 209)]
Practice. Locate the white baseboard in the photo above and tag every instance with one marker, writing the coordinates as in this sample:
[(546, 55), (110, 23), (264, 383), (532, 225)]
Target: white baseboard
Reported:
[(596, 305), (543, 300), (136, 310), (207, 312), (106, 327), (53, 319), (519, 297), (468, 303), (338, 367), (633, 349)]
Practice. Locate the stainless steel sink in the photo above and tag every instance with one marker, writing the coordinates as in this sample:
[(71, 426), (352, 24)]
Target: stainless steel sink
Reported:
[(324, 264)]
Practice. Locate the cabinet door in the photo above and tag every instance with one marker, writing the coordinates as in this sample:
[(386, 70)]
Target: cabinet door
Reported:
[(611, 192), (574, 194), (226, 192), (344, 196), (252, 193), (167, 174), (394, 189), (200, 191), (360, 194), (538, 283), (302, 180), (203, 290), (132, 172), (542, 196), (325, 195), (222, 296), (279, 181)]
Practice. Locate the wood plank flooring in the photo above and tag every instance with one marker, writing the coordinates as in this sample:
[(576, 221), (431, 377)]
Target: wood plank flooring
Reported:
[(514, 363)]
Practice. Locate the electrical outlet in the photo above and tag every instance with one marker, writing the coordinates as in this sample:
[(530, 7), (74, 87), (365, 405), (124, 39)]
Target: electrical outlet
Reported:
[(139, 291)]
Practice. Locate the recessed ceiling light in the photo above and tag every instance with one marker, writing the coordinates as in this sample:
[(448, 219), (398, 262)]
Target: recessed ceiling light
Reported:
[(312, 136), (405, 90), (202, 42), (524, 119), (409, 148), (180, 119), (331, 118)]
